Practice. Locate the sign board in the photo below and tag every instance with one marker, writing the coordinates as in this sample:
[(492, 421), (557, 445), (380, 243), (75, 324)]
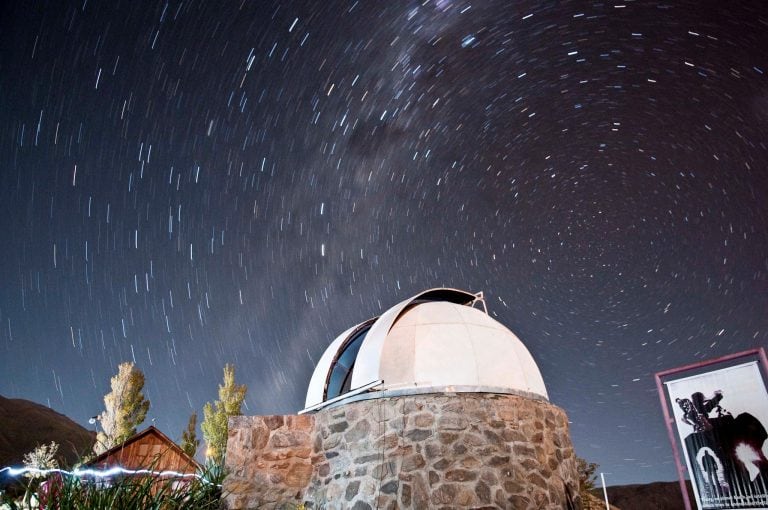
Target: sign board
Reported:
[(721, 420)]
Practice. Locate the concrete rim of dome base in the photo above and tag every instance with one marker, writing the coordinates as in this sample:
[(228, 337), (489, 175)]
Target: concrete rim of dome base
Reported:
[(371, 394)]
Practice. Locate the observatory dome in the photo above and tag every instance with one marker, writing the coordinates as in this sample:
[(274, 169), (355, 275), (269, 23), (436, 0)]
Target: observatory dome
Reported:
[(434, 342)]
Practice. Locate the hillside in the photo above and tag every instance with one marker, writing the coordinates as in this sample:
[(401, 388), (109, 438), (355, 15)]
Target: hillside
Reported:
[(25, 425), (657, 495)]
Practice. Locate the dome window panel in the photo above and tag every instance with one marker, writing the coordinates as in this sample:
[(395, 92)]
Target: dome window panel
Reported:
[(340, 377)]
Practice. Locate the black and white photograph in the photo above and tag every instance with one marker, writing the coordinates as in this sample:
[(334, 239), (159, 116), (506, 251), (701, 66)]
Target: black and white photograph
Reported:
[(721, 418)]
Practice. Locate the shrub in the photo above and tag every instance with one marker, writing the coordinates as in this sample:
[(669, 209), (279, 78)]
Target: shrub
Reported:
[(64, 490)]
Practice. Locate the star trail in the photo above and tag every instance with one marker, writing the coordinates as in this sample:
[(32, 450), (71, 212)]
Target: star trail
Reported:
[(185, 184)]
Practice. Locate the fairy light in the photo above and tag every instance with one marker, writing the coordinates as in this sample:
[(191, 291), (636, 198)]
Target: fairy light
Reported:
[(102, 473)]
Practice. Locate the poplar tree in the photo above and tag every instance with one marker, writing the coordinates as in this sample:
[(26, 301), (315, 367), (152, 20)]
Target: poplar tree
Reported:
[(189, 440), (216, 415), (125, 408)]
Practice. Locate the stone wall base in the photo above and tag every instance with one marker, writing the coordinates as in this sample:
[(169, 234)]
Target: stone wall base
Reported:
[(465, 450)]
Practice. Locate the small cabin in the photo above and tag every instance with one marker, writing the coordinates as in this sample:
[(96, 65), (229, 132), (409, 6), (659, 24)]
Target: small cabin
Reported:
[(149, 449)]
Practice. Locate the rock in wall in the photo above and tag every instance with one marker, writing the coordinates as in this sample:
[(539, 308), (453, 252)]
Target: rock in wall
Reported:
[(268, 459)]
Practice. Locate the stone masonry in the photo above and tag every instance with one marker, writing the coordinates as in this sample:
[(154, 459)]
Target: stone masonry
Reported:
[(464, 450), (269, 460)]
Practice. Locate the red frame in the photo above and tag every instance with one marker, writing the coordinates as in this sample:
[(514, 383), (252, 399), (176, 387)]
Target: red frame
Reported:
[(669, 421)]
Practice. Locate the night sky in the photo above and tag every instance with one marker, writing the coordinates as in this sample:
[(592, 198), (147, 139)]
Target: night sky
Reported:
[(189, 183)]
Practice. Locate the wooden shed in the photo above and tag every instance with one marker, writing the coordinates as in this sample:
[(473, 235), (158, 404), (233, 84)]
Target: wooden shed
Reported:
[(148, 449)]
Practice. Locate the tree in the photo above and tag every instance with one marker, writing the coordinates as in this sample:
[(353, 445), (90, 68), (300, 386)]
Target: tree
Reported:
[(189, 440), (216, 415), (587, 478), (125, 408)]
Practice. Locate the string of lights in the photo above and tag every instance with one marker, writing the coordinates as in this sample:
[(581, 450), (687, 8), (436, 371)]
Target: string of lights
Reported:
[(101, 473)]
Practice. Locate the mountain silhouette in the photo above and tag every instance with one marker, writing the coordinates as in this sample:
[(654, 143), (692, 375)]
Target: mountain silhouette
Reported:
[(25, 425)]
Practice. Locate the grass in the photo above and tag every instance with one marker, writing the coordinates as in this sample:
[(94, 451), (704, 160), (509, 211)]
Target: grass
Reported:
[(62, 491)]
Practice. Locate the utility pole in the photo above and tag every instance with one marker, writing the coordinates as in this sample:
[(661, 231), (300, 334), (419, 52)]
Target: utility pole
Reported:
[(605, 491)]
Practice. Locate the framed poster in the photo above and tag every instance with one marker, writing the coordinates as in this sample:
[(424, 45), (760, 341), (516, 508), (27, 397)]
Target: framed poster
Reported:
[(720, 417)]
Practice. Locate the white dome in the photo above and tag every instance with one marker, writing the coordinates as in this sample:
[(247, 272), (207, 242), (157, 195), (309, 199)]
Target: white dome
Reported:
[(432, 342)]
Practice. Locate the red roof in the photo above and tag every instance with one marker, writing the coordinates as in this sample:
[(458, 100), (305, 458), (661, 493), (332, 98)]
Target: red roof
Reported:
[(131, 455)]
